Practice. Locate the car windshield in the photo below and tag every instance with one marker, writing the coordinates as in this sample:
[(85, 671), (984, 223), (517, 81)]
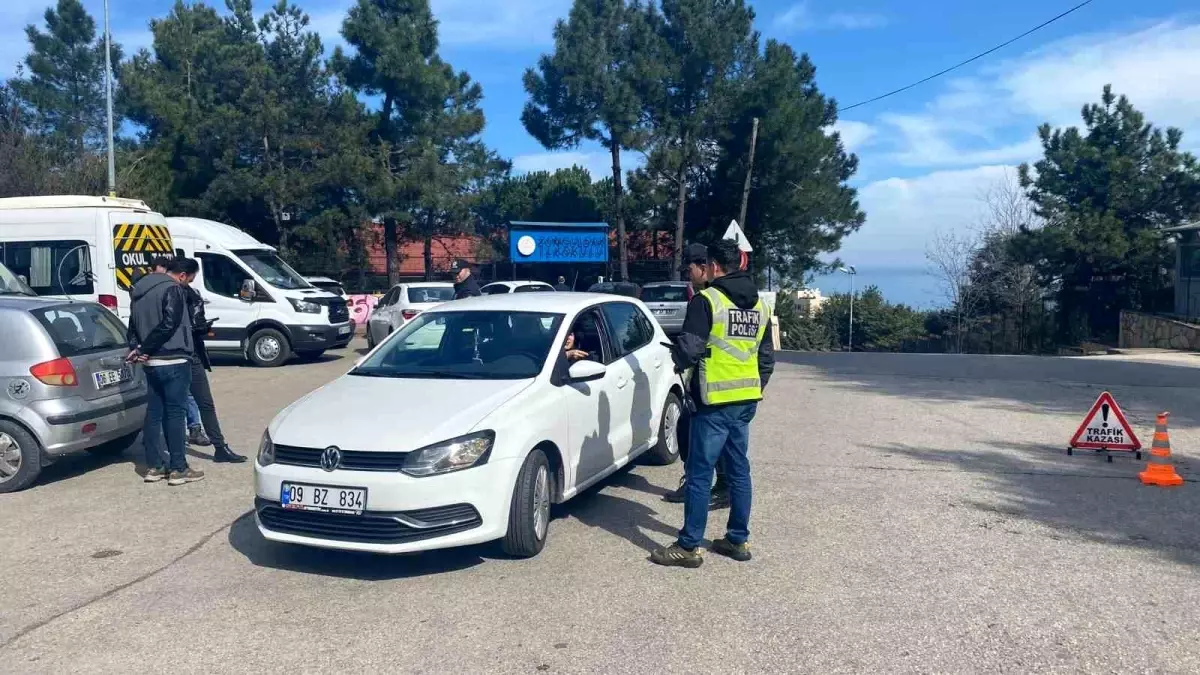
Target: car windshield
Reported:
[(272, 269), (494, 289), (423, 295), (492, 345), (81, 328), (11, 284), (664, 294), (533, 288)]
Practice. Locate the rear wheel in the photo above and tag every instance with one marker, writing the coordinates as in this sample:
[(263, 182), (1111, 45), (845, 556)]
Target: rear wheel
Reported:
[(529, 515), (370, 337), (268, 348), (20, 457), (667, 449)]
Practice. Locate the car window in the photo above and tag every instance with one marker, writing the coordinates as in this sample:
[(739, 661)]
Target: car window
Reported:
[(494, 289), (423, 295), (51, 267), (494, 345), (664, 294), (532, 288), (629, 332), (81, 328), (388, 298), (221, 274), (591, 337)]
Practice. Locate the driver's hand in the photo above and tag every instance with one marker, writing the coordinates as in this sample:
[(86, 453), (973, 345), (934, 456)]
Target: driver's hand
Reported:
[(576, 355)]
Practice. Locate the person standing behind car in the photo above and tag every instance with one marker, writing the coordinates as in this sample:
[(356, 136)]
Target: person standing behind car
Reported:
[(724, 338), (160, 338), (465, 285), (201, 392)]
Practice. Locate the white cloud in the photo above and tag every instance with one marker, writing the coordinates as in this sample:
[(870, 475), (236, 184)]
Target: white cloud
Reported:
[(505, 24), (599, 163), (854, 135), (801, 17)]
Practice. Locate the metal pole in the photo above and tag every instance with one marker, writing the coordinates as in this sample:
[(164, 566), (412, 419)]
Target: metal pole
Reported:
[(749, 171), (112, 164), (850, 339)]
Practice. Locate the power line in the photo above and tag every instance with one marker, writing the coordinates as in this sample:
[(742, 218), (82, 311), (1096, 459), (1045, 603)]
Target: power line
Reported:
[(970, 60)]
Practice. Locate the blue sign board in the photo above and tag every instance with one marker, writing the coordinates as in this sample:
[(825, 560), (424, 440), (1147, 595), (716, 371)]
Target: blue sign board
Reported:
[(557, 246)]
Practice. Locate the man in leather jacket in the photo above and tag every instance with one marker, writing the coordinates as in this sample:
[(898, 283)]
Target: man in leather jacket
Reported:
[(201, 391)]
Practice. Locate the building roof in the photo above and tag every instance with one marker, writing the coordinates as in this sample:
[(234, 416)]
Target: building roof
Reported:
[(581, 226), (71, 201)]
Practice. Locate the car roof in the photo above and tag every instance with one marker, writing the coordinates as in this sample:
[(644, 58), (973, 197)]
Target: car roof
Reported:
[(25, 303), (71, 201), (556, 303), (424, 284), (518, 282)]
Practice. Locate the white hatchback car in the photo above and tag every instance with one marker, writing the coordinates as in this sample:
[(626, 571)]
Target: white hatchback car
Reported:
[(501, 287), (403, 302), (468, 423)]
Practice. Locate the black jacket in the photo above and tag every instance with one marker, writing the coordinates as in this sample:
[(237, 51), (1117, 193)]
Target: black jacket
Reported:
[(467, 288), (692, 343), (200, 325), (159, 323), (562, 288)]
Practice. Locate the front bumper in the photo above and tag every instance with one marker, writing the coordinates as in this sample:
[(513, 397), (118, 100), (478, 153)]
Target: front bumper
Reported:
[(403, 514), (59, 423), (307, 338)]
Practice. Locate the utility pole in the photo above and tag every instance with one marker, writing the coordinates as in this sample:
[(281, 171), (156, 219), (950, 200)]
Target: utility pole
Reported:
[(749, 172), (112, 164), (850, 338)]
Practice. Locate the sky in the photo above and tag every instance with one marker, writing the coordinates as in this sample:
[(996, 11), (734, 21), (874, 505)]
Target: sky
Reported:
[(927, 155)]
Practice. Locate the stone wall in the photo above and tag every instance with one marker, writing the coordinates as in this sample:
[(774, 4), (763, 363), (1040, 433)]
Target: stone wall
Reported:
[(1149, 331)]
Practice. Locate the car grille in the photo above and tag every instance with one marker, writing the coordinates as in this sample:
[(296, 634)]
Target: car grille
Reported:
[(372, 527), (352, 460), (338, 312)]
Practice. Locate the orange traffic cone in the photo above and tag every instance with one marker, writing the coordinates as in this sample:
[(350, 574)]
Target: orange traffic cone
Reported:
[(1159, 471)]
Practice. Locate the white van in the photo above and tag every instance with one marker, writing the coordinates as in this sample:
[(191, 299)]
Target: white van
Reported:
[(86, 248), (261, 307)]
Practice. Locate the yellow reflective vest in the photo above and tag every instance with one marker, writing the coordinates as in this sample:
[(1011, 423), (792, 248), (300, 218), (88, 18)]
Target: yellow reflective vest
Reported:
[(729, 370)]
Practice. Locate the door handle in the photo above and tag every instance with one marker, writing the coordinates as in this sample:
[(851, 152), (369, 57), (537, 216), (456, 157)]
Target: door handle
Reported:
[(658, 364), (621, 383)]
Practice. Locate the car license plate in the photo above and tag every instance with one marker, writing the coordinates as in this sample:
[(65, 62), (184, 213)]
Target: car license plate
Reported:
[(663, 312), (302, 497), (108, 378), (343, 330)]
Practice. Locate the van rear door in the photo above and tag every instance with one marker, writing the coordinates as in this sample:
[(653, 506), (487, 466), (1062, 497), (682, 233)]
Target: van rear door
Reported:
[(138, 238)]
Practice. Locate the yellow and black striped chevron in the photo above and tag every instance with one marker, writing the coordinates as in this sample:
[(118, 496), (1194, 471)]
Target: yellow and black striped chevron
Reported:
[(135, 246)]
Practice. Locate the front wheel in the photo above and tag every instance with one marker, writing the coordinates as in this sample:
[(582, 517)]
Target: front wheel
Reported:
[(529, 515), (20, 457), (667, 449), (268, 348)]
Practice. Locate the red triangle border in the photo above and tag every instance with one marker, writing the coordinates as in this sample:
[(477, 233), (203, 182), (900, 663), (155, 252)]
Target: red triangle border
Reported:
[(1134, 446)]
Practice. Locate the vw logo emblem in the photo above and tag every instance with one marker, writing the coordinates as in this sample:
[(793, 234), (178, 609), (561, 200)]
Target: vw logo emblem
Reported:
[(331, 458)]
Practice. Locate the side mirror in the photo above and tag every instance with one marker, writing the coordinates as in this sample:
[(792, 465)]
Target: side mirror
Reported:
[(586, 371), (249, 290)]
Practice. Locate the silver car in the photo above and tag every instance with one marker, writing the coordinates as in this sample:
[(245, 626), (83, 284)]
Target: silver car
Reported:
[(668, 301), (64, 384)]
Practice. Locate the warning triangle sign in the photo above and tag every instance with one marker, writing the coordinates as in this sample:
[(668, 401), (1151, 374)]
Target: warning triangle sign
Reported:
[(1105, 428)]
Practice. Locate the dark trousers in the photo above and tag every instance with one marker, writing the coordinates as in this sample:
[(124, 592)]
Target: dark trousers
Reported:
[(718, 434), (204, 401), (166, 411)]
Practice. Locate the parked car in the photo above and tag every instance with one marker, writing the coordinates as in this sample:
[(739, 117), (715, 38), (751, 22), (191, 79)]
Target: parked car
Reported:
[(501, 287), (668, 302), (465, 425), (626, 289), (66, 385), (401, 304), (326, 284)]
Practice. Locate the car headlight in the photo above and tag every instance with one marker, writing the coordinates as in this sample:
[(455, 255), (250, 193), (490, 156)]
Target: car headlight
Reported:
[(304, 306), (455, 454), (266, 450)]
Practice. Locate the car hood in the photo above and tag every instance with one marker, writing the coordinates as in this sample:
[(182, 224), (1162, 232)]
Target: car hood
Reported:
[(396, 415)]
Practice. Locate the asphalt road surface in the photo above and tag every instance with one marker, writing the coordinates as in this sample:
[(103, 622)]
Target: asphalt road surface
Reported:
[(912, 513)]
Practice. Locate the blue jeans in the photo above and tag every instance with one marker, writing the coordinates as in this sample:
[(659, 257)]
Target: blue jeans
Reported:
[(166, 412), (193, 412), (718, 435)]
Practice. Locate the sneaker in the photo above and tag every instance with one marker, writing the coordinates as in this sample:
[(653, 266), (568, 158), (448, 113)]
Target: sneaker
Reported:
[(739, 552), (154, 475), (718, 499), (184, 477), (196, 436), (227, 456), (677, 556), (676, 496)]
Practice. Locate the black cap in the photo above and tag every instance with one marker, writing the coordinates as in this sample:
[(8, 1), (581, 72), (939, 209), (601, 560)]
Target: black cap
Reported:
[(693, 253), (460, 264)]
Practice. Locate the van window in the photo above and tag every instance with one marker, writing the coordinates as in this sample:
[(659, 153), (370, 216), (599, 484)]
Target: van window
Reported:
[(51, 267), (221, 275), (80, 329)]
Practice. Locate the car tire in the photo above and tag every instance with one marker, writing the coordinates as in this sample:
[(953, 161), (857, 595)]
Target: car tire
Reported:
[(268, 348), (666, 451), (19, 450), (529, 514), (310, 356), (370, 338), (115, 447)]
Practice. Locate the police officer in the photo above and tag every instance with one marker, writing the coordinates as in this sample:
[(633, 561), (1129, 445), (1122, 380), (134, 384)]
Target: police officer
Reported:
[(723, 337)]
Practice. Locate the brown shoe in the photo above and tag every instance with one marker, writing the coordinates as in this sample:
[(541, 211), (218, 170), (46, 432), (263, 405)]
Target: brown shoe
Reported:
[(184, 477), (153, 475)]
